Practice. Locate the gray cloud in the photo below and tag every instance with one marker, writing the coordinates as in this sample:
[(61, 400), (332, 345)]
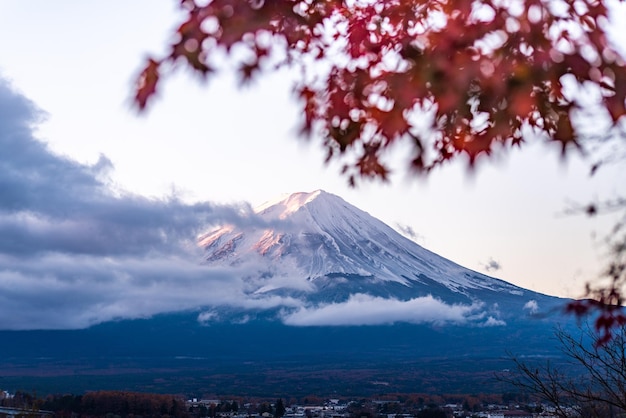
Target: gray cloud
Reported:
[(492, 265), (408, 231), (73, 252), (61, 290)]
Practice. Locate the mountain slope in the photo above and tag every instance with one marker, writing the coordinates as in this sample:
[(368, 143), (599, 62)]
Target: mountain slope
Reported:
[(337, 259)]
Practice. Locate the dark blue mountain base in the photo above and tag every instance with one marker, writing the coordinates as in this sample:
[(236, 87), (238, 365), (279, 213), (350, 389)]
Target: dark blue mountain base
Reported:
[(175, 354)]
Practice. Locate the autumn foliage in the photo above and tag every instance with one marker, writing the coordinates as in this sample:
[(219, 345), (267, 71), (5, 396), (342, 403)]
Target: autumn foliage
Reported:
[(449, 77)]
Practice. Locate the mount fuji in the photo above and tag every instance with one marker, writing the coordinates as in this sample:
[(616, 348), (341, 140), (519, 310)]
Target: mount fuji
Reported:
[(337, 265), (330, 301)]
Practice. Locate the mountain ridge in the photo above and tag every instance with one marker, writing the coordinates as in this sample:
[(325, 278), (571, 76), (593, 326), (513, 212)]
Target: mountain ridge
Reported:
[(329, 254), (309, 203)]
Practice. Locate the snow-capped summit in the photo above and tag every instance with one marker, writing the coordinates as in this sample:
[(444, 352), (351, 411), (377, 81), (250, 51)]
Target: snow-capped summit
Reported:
[(319, 247), (285, 206)]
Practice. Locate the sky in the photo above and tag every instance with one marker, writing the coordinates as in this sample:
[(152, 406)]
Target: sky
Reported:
[(100, 205)]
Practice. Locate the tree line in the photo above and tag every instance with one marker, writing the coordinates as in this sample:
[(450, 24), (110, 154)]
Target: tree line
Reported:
[(103, 403)]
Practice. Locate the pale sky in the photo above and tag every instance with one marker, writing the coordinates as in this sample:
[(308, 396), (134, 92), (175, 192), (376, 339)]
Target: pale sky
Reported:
[(217, 143)]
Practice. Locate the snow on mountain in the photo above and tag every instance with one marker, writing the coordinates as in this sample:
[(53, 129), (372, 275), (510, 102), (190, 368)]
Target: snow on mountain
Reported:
[(322, 249), (323, 235)]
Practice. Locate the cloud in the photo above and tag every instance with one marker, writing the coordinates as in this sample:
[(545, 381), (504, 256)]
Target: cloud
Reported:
[(532, 306), (493, 322), (362, 309), (492, 265), (206, 317), (75, 252), (408, 231)]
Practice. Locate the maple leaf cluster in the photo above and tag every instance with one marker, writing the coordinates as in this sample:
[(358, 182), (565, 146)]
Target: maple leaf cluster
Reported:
[(478, 72)]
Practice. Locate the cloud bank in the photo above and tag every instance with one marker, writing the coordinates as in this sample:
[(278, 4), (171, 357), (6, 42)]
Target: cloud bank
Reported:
[(363, 309)]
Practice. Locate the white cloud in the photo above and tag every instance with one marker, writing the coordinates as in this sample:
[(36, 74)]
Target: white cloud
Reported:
[(362, 309), (532, 306), (493, 322), (206, 317)]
